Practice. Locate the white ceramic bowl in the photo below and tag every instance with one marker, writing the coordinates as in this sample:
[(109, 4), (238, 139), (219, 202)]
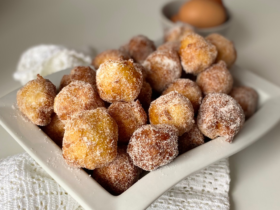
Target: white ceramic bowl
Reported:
[(172, 8), (92, 196)]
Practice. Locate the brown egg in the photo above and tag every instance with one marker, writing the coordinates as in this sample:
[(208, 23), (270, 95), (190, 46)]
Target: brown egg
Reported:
[(202, 13)]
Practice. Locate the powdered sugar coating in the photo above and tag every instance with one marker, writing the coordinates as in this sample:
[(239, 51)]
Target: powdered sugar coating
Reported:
[(108, 55), (36, 99), (90, 139), (55, 130), (187, 88), (145, 95), (119, 81), (129, 117), (119, 175), (172, 109), (215, 79), (76, 97), (220, 115), (190, 140), (140, 47), (225, 47), (152, 146), (84, 73), (196, 53), (163, 67), (177, 32), (247, 98)]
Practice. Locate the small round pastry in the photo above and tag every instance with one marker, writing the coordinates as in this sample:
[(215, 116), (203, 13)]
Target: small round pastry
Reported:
[(108, 55), (55, 130), (152, 146), (187, 88), (216, 79), (85, 74), (173, 46), (90, 139), (196, 53), (225, 47), (247, 98), (140, 47), (190, 140), (76, 97), (163, 67), (142, 69), (145, 95), (220, 115), (119, 175), (172, 109), (129, 117), (35, 100), (119, 81), (177, 32), (65, 80)]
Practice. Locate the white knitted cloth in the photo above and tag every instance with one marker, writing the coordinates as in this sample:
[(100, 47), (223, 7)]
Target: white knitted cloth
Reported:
[(24, 185)]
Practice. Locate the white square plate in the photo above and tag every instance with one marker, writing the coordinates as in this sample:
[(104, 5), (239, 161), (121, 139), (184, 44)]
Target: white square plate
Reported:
[(92, 196)]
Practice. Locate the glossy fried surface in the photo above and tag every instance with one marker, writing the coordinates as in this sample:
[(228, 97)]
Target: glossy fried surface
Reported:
[(129, 117), (172, 109), (36, 99), (119, 81), (90, 139)]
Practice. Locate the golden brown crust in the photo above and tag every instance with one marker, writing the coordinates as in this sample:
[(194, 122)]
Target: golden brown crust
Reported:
[(163, 67), (36, 99), (108, 55), (65, 80), (90, 139), (145, 95), (55, 130), (172, 109), (196, 53), (75, 97), (187, 88), (216, 79), (225, 47), (177, 32), (129, 117), (119, 175), (140, 47), (119, 81)]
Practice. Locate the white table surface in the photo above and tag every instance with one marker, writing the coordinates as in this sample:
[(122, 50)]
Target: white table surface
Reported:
[(255, 171)]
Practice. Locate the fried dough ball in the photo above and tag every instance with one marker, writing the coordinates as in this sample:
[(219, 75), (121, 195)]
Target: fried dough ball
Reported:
[(172, 109), (216, 79), (145, 95), (142, 69), (90, 139), (177, 32), (55, 130), (225, 47), (65, 80), (119, 175), (173, 46), (119, 81), (129, 117), (190, 140), (196, 53), (152, 146), (140, 47), (247, 98), (220, 115), (108, 55), (76, 97), (163, 67), (35, 100), (187, 88)]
